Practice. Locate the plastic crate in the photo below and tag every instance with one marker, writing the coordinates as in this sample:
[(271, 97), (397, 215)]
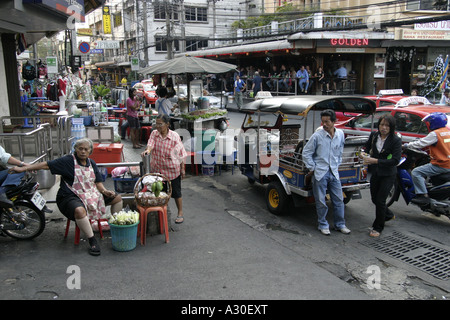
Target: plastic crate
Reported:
[(124, 185)]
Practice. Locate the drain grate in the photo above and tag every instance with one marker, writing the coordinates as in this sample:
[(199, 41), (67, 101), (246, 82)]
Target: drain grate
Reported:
[(424, 256)]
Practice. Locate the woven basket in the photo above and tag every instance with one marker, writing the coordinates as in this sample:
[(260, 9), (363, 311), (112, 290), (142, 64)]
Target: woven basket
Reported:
[(147, 199)]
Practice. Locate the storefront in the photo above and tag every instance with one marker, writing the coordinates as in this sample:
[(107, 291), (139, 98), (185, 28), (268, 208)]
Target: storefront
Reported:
[(360, 52), (23, 23), (419, 55)]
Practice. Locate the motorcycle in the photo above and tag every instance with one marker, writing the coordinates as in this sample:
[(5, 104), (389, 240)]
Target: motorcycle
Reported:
[(23, 217), (438, 187)]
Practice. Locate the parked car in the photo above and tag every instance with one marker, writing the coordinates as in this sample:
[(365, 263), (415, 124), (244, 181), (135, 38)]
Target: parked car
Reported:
[(408, 117), (147, 90), (384, 98), (387, 97)]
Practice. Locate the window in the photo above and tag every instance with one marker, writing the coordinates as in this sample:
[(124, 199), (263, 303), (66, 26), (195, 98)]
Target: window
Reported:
[(194, 45), (161, 44), (366, 121), (196, 14), (410, 123), (160, 11), (440, 5)]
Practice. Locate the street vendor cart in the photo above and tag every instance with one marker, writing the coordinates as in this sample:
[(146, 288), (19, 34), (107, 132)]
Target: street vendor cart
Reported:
[(274, 132)]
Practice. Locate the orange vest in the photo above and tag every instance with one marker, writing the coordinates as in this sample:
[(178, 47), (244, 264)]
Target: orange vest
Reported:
[(440, 153)]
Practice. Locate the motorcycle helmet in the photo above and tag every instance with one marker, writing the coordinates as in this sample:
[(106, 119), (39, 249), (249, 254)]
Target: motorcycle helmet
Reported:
[(436, 119)]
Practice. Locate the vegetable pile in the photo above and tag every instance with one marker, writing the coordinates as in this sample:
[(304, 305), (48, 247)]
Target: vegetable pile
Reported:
[(203, 114), (124, 218)]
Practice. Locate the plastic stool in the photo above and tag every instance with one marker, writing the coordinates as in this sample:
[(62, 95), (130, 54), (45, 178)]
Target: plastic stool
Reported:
[(193, 165), (163, 223), (77, 230), (145, 133)]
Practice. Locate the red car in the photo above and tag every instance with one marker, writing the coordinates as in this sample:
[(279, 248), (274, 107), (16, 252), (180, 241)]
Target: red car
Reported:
[(384, 98), (147, 90), (408, 120)]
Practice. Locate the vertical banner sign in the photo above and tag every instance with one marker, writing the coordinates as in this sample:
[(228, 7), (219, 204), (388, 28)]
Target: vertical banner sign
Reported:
[(134, 64), (52, 65), (106, 20)]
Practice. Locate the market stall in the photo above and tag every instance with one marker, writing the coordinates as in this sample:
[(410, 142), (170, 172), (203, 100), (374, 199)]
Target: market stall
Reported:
[(195, 114)]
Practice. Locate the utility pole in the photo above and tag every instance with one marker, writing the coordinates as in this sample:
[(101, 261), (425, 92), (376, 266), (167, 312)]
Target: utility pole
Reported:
[(145, 33), (169, 40), (183, 27)]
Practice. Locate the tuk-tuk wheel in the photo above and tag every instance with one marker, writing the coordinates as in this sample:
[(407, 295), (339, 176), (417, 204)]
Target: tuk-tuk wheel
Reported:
[(347, 198), (276, 198)]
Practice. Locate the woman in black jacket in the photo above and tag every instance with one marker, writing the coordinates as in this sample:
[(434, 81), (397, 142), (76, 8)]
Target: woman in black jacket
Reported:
[(383, 152)]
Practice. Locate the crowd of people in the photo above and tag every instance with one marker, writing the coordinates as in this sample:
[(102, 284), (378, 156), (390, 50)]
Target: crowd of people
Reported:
[(301, 80)]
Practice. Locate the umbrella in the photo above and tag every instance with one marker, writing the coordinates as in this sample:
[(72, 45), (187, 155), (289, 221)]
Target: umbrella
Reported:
[(187, 64)]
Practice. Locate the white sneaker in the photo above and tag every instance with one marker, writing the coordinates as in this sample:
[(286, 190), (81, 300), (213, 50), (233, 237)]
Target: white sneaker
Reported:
[(325, 231), (344, 230)]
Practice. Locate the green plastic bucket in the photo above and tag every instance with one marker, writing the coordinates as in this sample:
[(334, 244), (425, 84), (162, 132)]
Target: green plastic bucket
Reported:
[(123, 237)]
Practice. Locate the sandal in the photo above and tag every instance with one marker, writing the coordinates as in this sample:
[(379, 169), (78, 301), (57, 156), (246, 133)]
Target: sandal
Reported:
[(179, 220), (94, 250), (374, 234)]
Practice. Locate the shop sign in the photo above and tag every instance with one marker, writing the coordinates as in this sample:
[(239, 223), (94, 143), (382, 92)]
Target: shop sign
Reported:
[(424, 35), (52, 64), (349, 42), (134, 64), (84, 32), (107, 44), (106, 20), (350, 50), (438, 25), (67, 7)]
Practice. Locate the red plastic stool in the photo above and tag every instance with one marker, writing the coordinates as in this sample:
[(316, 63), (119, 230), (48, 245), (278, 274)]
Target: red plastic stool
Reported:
[(163, 223), (193, 165), (146, 130), (77, 230)]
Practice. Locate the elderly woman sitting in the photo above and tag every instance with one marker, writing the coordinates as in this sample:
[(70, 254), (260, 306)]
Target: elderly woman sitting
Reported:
[(81, 195)]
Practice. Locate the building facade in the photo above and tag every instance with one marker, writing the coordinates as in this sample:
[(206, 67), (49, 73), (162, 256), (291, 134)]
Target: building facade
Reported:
[(153, 31)]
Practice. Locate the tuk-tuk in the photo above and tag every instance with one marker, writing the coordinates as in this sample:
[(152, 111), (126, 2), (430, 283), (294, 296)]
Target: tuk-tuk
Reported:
[(274, 132)]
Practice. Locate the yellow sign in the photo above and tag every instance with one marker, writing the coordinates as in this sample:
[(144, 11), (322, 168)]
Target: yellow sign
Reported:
[(106, 20), (84, 32)]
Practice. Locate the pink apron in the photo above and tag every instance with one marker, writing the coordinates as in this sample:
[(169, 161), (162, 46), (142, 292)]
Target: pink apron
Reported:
[(85, 188)]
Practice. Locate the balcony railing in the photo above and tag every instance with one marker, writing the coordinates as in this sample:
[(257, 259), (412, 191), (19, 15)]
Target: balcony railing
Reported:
[(316, 21)]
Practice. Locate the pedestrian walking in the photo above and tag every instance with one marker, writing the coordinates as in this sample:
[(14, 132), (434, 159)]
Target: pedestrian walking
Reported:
[(239, 87), (257, 84), (383, 151), (322, 156), (133, 105), (168, 158)]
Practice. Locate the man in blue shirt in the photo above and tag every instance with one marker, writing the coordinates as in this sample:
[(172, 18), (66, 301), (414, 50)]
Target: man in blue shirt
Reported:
[(239, 87), (303, 79), (322, 156), (341, 74)]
